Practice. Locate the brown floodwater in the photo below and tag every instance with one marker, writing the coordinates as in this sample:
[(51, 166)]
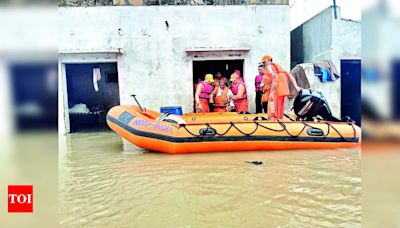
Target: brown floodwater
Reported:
[(104, 182)]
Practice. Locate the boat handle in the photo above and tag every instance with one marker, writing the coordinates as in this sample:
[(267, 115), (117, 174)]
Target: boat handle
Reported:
[(315, 132), (207, 132)]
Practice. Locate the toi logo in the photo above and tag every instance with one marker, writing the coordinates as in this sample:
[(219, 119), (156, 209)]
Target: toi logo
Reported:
[(20, 198)]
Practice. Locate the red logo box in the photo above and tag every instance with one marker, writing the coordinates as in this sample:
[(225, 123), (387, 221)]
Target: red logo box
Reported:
[(20, 198)]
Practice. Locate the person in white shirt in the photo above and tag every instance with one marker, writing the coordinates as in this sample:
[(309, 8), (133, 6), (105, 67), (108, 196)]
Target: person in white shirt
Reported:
[(221, 97)]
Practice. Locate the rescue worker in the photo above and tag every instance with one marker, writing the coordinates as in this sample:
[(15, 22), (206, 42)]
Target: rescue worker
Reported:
[(203, 94), (239, 94), (218, 78), (198, 81), (259, 88), (266, 87), (277, 80), (221, 97), (239, 74)]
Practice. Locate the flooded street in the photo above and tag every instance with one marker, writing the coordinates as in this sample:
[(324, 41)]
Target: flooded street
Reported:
[(101, 184)]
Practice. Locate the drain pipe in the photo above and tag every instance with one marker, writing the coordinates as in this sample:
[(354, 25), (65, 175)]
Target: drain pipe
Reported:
[(334, 8)]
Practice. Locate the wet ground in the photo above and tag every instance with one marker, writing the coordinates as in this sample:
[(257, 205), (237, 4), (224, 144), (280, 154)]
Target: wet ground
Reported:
[(103, 183)]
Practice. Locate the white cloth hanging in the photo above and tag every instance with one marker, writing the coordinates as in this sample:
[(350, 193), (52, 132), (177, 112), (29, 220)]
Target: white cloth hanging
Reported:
[(96, 78)]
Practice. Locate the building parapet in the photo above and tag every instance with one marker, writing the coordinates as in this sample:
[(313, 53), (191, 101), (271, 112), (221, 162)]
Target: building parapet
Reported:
[(92, 3)]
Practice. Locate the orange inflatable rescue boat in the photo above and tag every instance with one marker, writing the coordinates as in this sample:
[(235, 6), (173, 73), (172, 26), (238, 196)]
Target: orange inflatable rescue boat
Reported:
[(218, 132)]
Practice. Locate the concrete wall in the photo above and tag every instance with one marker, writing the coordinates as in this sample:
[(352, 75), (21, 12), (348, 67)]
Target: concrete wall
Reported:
[(92, 3), (346, 40), (155, 65), (325, 38), (317, 37)]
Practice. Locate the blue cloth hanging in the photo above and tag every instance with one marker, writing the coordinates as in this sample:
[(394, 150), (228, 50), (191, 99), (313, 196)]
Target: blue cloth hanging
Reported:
[(325, 75)]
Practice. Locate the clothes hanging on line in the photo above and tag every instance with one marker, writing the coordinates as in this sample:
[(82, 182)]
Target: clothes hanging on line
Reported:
[(326, 71), (301, 78)]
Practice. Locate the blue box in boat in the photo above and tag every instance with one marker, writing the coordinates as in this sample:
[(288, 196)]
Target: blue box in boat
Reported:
[(177, 110)]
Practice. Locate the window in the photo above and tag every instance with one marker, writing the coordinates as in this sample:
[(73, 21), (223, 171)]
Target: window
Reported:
[(111, 77)]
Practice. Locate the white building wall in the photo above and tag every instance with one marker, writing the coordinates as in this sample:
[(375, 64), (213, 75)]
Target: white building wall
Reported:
[(346, 40), (30, 38), (154, 64), (7, 126), (346, 44)]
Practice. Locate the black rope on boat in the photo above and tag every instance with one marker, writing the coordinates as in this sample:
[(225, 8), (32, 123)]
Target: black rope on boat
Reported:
[(281, 123), (287, 131), (271, 129), (336, 130), (243, 133), (341, 136), (227, 130), (354, 129), (184, 126)]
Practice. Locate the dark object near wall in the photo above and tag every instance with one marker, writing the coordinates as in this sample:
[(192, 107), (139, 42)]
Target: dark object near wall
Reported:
[(312, 104), (33, 88)]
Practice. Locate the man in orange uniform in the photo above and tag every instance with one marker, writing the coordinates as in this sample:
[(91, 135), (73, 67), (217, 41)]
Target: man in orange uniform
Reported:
[(276, 87), (203, 94), (239, 94), (221, 97)]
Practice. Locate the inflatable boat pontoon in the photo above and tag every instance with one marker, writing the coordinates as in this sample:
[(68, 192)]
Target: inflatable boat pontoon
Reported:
[(218, 132)]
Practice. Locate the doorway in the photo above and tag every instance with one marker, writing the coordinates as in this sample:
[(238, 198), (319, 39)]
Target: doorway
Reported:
[(351, 89), (92, 90), (396, 89), (34, 93), (225, 67)]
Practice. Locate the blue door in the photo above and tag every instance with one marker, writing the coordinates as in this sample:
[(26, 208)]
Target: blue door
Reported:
[(396, 89), (351, 89)]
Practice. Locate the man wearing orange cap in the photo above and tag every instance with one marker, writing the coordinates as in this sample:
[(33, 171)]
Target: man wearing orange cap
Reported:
[(203, 94), (276, 87), (239, 94)]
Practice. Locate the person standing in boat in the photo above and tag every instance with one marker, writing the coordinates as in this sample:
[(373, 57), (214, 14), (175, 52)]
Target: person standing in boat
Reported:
[(266, 87), (221, 97), (239, 94), (278, 87), (259, 88), (203, 94)]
